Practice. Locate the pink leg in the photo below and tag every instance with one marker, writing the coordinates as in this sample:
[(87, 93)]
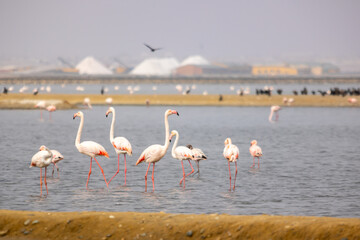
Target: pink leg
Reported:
[(41, 181), (102, 171), (235, 174), (152, 177), (277, 117), (258, 162), (183, 178), (253, 162), (41, 118), (89, 174), (192, 170), (57, 169), (229, 174), (53, 169), (117, 169), (198, 166), (146, 177), (125, 170), (50, 116), (46, 183)]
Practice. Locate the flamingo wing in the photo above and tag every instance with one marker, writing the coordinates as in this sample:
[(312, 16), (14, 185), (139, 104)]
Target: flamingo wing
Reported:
[(152, 153), (122, 145), (92, 148), (183, 153), (255, 151), (38, 160), (199, 154), (231, 152)]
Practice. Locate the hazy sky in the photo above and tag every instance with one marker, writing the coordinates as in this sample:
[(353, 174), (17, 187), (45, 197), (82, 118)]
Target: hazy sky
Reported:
[(219, 30)]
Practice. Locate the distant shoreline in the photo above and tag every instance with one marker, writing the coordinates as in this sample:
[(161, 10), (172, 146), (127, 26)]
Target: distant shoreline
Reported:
[(73, 101), (138, 225)]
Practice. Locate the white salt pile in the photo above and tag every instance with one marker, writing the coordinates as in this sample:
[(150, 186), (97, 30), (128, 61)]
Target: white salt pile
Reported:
[(156, 67), (91, 66)]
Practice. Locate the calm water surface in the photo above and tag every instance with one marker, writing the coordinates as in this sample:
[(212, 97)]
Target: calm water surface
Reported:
[(310, 166)]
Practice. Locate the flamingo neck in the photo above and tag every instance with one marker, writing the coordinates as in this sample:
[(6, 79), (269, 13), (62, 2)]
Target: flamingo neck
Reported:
[(49, 159), (166, 130), (112, 127), (78, 136), (175, 145)]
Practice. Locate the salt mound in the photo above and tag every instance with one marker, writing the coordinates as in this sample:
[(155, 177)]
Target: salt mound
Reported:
[(156, 66), (91, 66), (195, 60)]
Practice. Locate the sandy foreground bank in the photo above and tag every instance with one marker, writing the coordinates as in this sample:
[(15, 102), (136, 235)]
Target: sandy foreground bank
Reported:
[(133, 225), (68, 101)]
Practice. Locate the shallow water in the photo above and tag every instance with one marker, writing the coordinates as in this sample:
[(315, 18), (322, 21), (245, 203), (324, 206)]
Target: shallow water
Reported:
[(310, 164)]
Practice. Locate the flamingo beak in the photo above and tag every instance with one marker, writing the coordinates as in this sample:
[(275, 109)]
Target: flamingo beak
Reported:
[(74, 116), (177, 113)]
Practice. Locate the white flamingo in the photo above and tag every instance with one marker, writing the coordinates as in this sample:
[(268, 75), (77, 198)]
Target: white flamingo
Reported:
[(57, 157), (154, 153), (181, 153), (120, 144), (198, 156), (231, 153), (89, 148), (274, 109), (42, 159), (256, 152)]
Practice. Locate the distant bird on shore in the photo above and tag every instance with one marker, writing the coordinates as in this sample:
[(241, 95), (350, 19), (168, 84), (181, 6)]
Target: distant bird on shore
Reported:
[(5, 91), (57, 157), (89, 148), (151, 48), (156, 152), (109, 100), (274, 109), (256, 152), (120, 144), (198, 155), (352, 100), (231, 153), (42, 159), (181, 153), (87, 103), (35, 91)]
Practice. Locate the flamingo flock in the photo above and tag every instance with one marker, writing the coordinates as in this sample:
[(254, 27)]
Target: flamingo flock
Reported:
[(151, 155)]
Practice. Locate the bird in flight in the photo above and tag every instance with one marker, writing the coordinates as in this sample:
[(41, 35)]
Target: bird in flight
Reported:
[(151, 49)]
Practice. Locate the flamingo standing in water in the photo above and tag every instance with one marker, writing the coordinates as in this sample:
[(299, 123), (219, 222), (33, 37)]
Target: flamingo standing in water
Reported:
[(57, 157), (181, 153), (87, 103), (40, 105), (256, 152), (198, 155), (154, 153), (274, 109), (121, 144), (42, 159), (51, 108), (231, 153), (89, 148)]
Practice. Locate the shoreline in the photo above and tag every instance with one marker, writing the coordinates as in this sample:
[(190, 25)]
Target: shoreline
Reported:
[(137, 225), (74, 101)]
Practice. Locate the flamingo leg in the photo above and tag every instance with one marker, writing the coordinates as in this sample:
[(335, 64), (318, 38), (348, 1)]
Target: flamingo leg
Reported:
[(258, 162), (182, 164), (118, 169), (253, 162), (125, 170), (152, 177), (53, 169), (102, 171), (235, 174), (89, 174), (57, 169), (229, 174), (192, 169), (46, 182), (41, 118), (41, 181), (277, 116), (50, 116), (146, 177), (198, 166)]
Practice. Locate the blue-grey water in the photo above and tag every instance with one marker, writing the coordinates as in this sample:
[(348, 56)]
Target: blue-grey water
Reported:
[(311, 161)]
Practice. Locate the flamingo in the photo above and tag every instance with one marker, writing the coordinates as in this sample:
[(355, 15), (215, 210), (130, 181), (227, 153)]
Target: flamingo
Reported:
[(352, 100), (274, 109), (181, 153), (154, 153), (255, 151), (57, 157), (40, 105), (87, 103), (231, 153), (51, 108), (109, 100), (89, 148), (121, 144), (42, 159), (198, 155)]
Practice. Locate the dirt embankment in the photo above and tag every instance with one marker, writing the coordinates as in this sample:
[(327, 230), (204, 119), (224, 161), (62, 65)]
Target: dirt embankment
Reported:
[(132, 225), (66, 101)]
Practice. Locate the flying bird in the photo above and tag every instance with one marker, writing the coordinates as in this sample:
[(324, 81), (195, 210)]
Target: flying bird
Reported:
[(151, 48)]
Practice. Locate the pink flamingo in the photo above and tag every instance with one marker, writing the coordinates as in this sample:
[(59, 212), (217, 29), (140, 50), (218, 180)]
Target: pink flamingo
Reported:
[(87, 103), (255, 151), (121, 144), (154, 153), (198, 155), (42, 159), (89, 148), (181, 153), (352, 100), (40, 105), (51, 108), (57, 157), (231, 153), (274, 109)]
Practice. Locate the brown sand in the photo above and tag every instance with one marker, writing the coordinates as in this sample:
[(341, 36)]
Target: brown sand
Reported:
[(66, 101), (132, 225)]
